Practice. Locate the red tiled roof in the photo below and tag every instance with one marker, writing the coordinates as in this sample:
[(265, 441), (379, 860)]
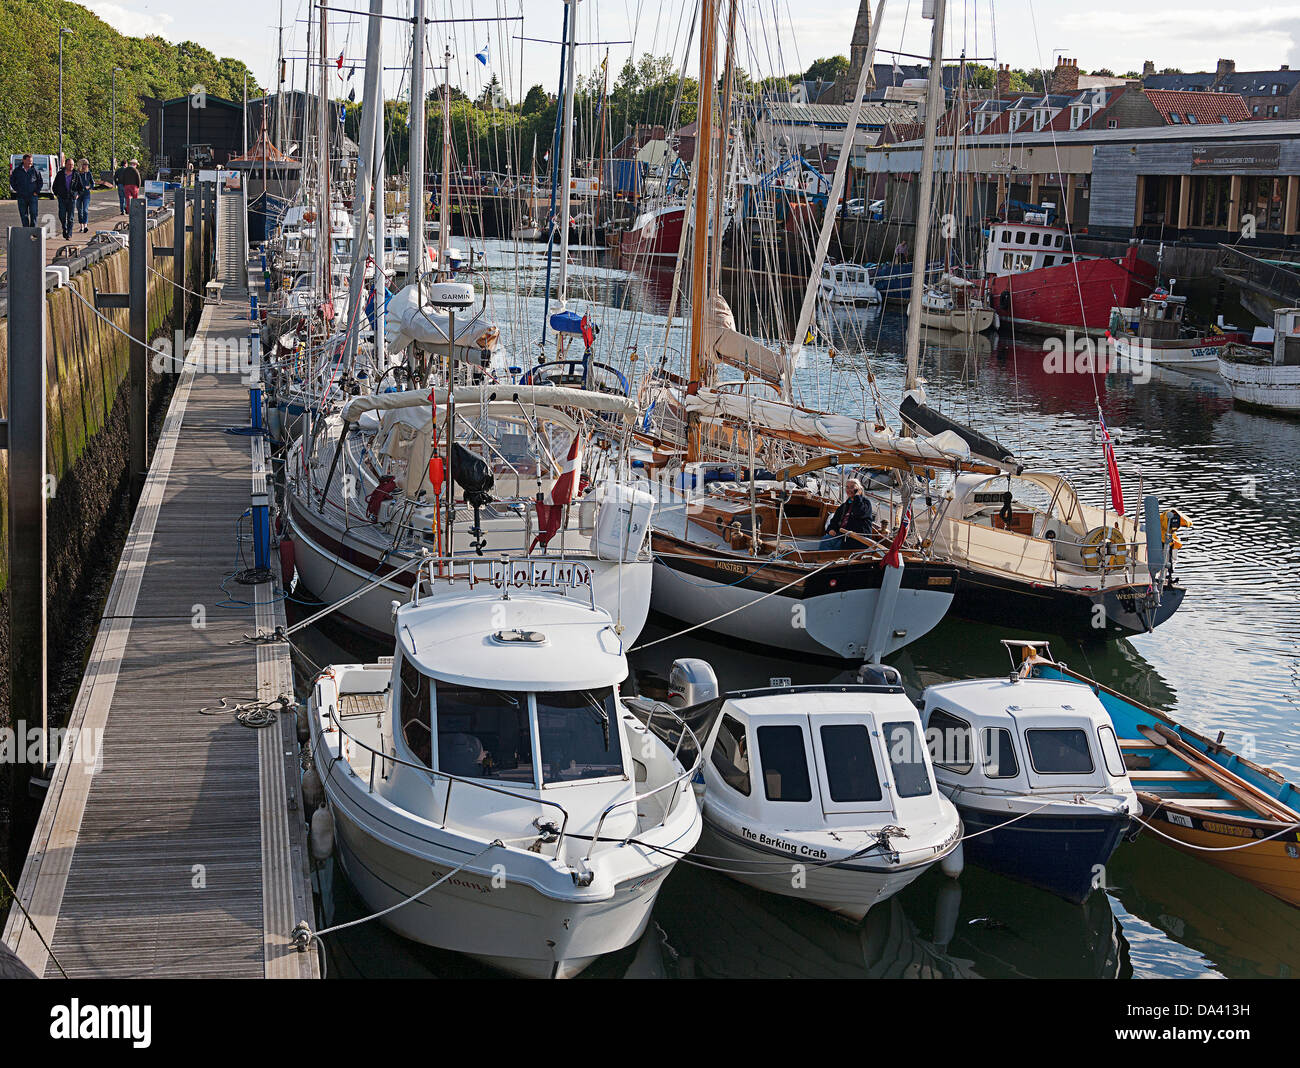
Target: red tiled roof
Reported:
[(1204, 107)]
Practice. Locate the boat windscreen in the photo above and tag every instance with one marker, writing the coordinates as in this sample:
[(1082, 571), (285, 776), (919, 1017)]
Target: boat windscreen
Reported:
[(484, 734), (1057, 751), (785, 763), (907, 758), (579, 735), (850, 768)]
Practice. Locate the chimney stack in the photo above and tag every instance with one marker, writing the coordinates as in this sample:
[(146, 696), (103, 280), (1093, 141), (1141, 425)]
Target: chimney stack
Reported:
[(1004, 80), (1148, 67), (1224, 68), (1065, 78)]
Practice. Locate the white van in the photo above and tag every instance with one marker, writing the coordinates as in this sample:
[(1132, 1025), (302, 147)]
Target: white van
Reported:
[(47, 165)]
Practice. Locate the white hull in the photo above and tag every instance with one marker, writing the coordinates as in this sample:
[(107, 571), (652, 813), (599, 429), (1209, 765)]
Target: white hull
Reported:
[(833, 624), (958, 321), (1272, 386), (623, 590), (1190, 358), (847, 892), (514, 927)]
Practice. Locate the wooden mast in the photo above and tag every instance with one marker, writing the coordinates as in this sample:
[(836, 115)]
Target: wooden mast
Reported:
[(700, 240)]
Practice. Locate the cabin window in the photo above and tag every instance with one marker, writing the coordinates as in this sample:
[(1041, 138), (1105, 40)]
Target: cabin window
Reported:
[(785, 763), (1059, 751), (1060, 239), (1033, 238), (1000, 754), (415, 706), (1048, 260), (1006, 235), (1006, 261), (950, 742), (731, 754), (578, 731), (850, 768), (907, 758), (483, 734), (1020, 237), (1110, 752)]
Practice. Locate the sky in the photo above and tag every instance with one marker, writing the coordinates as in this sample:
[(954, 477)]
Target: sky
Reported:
[(776, 35)]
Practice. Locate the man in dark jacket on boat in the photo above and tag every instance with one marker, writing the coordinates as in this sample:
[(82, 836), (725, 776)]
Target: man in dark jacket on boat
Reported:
[(853, 514), (26, 182)]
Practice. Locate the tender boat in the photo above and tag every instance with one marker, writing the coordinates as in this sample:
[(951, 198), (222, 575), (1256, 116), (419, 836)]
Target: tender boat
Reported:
[(1259, 378), (492, 775), (1035, 770), (822, 793), (1195, 792), (954, 306)]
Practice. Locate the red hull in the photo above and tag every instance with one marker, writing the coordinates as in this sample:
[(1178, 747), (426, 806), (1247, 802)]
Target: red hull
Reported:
[(1072, 296), (659, 239)]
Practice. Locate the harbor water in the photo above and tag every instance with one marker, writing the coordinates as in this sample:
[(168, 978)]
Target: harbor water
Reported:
[(1229, 659)]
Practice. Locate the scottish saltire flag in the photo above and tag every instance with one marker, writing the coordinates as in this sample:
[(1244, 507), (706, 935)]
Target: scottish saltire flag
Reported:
[(482, 56)]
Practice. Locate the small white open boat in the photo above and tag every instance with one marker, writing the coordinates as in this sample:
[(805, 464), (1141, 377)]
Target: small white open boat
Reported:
[(491, 784), (823, 793)]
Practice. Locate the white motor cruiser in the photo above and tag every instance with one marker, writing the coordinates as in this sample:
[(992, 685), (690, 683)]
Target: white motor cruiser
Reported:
[(824, 793), (492, 776)]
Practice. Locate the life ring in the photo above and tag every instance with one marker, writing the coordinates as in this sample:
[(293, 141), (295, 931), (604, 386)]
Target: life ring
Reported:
[(1099, 540)]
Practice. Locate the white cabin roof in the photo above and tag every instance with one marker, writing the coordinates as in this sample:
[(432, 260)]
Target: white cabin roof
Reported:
[(804, 701), (986, 700), (456, 640)]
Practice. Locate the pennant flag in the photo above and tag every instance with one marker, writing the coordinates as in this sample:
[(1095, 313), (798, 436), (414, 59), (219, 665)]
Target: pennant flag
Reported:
[(342, 112), (1112, 468), (550, 512), (351, 71), (352, 94), (482, 56), (339, 65), (894, 558), (588, 330)]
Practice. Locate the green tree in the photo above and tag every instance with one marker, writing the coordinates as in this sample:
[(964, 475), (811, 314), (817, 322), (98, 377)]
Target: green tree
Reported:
[(831, 69)]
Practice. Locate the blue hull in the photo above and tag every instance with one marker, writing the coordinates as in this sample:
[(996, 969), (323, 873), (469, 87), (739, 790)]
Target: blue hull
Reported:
[(1060, 854)]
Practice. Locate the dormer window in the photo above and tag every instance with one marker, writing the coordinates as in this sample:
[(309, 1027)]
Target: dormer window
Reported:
[(1041, 116), (1079, 115)]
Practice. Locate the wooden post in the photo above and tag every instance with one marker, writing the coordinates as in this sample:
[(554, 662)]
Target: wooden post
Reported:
[(1292, 204), (1067, 195), (138, 288), (1184, 201), (1234, 204), (1139, 200), (27, 493)]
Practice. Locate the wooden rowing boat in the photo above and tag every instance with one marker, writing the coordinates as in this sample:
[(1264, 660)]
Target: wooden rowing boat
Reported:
[(1196, 792)]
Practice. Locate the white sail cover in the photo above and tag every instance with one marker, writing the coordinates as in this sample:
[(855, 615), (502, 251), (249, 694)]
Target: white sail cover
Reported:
[(838, 431), (544, 396), (741, 350), (406, 321)]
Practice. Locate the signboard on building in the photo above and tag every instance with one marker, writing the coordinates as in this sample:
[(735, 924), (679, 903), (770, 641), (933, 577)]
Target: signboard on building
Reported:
[(1237, 157)]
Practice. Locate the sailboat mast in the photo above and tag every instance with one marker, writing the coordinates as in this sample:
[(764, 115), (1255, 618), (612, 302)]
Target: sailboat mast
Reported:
[(700, 238), (933, 105), (720, 164), (566, 159), (324, 239), (415, 194), (444, 195)]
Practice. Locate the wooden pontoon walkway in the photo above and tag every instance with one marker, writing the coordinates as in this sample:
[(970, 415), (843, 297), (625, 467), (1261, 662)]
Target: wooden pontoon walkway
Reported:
[(181, 852)]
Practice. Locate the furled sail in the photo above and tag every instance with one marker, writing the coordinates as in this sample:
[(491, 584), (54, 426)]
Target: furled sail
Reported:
[(740, 350)]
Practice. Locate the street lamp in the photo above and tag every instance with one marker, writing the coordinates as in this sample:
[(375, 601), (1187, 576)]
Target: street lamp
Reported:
[(116, 71), (61, 33)]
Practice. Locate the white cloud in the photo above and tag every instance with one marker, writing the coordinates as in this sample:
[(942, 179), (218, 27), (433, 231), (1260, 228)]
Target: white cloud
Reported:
[(131, 23)]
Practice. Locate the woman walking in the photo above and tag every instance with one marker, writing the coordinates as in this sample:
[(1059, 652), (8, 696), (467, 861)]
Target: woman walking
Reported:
[(85, 182)]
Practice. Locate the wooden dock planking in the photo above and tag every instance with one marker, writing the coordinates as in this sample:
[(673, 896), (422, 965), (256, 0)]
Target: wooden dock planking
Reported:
[(181, 853)]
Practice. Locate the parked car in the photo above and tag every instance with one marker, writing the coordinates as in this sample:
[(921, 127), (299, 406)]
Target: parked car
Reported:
[(876, 211), (855, 208)]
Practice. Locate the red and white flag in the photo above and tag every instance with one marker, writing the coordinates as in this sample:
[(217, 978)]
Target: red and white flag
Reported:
[(550, 507), (894, 557), (1112, 468)]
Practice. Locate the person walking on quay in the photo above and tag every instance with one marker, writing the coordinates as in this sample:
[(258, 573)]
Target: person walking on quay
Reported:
[(85, 182), (26, 182), (119, 180), (65, 188), (131, 181)]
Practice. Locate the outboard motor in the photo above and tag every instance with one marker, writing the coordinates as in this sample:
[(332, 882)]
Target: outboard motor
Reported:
[(879, 675), (690, 682), (472, 474)]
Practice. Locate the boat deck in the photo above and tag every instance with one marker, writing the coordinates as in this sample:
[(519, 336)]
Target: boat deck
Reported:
[(179, 850)]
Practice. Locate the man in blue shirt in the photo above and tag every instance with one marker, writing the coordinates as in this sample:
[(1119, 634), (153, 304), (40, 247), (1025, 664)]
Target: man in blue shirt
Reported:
[(26, 182)]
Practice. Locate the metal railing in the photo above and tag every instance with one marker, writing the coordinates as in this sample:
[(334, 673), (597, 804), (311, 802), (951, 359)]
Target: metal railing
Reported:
[(450, 779), (685, 776)]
